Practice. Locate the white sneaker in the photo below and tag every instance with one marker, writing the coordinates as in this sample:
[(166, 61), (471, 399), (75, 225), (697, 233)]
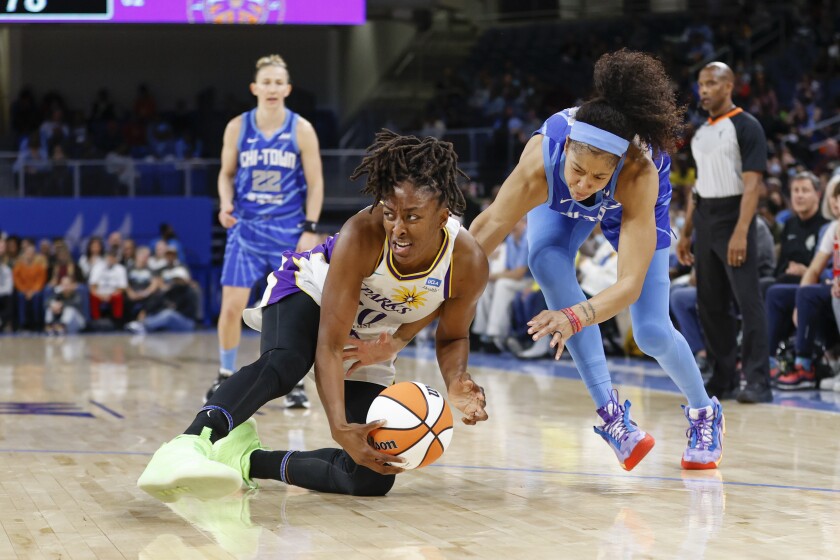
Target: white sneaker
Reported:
[(135, 327), (297, 398), (540, 349), (829, 383)]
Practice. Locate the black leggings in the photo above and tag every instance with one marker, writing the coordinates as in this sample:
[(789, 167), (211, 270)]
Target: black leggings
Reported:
[(287, 352), (331, 470), (287, 348)]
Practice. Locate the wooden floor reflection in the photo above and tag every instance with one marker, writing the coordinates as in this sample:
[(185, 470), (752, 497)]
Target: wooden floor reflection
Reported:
[(81, 417)]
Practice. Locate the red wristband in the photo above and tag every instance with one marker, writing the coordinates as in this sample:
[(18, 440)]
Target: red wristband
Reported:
[(573, 319)]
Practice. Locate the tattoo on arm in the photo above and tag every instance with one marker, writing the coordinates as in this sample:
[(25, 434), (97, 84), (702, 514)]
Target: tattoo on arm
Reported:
[(588, 312)]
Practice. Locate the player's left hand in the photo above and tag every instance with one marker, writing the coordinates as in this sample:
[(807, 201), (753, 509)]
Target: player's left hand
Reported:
[(554, 324), (468, 396), (367, 352), (307, 241)]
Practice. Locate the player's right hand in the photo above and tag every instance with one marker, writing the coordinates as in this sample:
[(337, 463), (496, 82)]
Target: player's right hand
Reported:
[(354, 439), (226, 217), (684, 251), (368, 352)]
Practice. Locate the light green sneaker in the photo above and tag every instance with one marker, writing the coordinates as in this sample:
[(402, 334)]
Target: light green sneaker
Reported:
[(182, 467), (235, 449)]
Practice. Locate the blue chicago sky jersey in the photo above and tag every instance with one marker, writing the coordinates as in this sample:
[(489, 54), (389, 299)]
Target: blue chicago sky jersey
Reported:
[(604, 208), (269, 179)]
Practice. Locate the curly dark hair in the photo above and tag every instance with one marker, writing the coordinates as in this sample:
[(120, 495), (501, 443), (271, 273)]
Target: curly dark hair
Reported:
[(428, 163), (633, 97)]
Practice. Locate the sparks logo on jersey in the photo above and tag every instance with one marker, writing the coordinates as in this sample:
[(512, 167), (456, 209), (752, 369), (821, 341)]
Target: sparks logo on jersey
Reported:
[(268, 156), (410, 296), (434, 282), (398, 306)]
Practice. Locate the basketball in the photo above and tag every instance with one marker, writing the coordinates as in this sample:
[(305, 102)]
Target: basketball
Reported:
[(418, 423)]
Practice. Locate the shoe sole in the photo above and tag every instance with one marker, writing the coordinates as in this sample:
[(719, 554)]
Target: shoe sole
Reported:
[(801, 385), (691, 466), (208, 485), (642, 448)]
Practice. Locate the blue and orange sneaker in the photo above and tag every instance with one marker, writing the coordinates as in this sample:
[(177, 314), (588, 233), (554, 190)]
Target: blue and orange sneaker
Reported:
[(797, 378), (628, 442), (705, 437)]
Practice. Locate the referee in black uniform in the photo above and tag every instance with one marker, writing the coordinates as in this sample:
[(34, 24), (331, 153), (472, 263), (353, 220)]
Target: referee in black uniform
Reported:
[(730, 151)]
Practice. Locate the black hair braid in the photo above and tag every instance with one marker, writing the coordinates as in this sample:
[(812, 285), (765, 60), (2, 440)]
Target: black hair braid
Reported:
[(428, 163), (634, 97)]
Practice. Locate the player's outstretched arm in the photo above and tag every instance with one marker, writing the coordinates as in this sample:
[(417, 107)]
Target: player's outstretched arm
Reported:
[(354, 257), (469, 277), (524, 189)]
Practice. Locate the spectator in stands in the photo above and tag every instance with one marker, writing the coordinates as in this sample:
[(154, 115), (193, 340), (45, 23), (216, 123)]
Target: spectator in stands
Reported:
[(12, 249), (145, 107), (63, 266), (175, 310), (54, 130), (7, 286), (142, 282), (120, 164), (161, 140), (60, 181), (93, 255), (114, 243), (800, 233), (493, 313), (128, 252), (64, 310), (108, 281), (807, 306), (158, 260), (167, 234), (30, 277), (33, 162), (700, 49), (103, 107), (45, 251)]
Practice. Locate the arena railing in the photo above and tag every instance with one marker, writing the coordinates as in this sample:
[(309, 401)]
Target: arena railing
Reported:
[(125, 176), (131, 177)]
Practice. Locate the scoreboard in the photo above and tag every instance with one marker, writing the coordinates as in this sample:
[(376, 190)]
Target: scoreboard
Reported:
[(312, 12)]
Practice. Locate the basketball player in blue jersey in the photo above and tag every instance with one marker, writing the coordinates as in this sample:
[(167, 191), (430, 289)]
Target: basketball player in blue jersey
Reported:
[(605, 162), (271, 190), (393, 268)]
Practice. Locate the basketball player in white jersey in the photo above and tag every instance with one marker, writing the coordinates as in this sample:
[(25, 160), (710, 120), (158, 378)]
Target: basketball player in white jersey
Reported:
[(271, 189), (392, 269)]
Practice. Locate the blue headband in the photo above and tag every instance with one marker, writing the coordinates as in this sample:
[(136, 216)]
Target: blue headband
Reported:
[(599, 138)]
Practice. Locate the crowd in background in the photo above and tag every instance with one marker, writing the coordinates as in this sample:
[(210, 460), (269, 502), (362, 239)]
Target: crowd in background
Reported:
[(114, 284)]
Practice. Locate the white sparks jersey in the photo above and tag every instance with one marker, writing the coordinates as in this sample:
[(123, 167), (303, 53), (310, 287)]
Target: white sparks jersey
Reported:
[(387, 298)]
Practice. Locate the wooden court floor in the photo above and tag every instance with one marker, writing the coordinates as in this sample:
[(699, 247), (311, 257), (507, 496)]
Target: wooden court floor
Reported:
[(80, 417)]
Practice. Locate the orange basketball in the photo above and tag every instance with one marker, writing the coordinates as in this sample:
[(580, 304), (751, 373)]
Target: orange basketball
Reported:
[(418, 423)]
